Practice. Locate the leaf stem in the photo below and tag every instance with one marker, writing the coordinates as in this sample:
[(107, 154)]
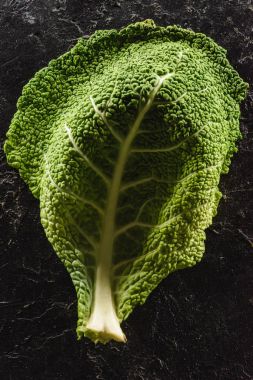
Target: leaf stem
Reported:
[(103, 320)]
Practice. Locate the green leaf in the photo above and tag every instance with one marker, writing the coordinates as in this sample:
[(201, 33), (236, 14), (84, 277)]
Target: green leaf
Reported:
[(123, 139)]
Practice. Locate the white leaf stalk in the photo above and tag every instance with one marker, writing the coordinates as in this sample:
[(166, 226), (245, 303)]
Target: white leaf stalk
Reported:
[(103, 321)]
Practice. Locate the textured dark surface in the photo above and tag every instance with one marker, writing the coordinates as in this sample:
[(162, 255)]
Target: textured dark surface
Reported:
[(198, 322)]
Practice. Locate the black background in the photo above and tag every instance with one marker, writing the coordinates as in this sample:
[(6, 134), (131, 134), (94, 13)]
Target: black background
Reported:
[(198, 323)]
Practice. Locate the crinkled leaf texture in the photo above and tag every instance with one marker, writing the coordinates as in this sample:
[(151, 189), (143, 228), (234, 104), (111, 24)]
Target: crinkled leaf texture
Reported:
[(123, 139)]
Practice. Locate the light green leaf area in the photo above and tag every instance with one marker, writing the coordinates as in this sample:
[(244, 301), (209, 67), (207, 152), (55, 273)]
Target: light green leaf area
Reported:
[(123, 139)]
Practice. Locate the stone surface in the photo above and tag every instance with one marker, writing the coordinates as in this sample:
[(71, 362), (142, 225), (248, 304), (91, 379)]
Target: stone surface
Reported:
[(198, 323)]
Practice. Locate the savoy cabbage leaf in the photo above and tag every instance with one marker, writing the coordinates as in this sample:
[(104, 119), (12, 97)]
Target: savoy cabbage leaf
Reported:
[(123, 139)]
